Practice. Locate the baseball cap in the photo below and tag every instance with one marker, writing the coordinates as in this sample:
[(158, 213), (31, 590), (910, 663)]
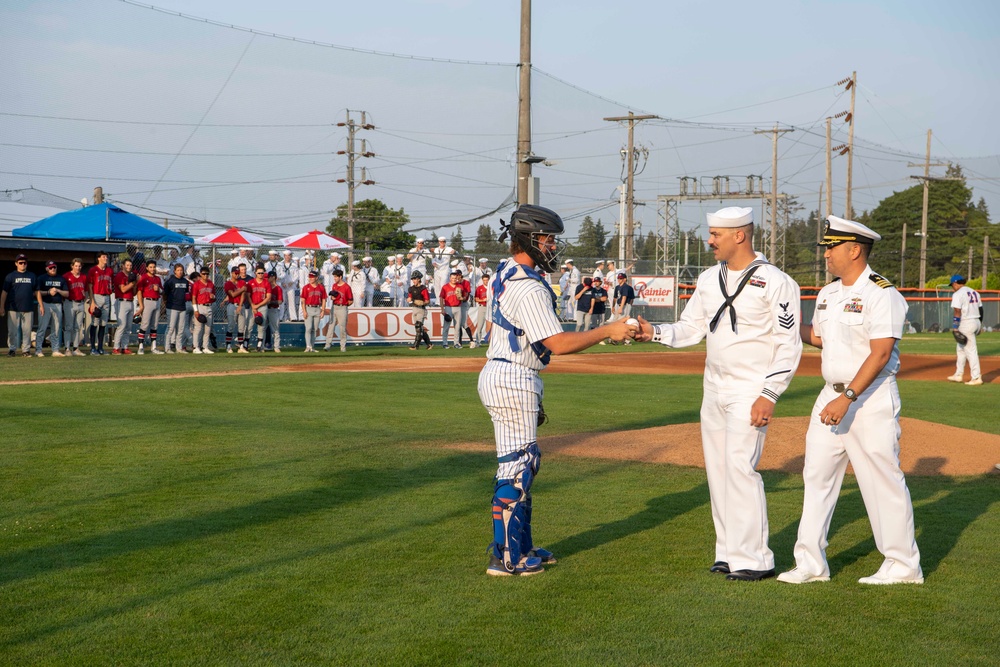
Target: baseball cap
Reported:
[(20, 257), (313, 272), (49, 264), (957, 278), (457, 271)]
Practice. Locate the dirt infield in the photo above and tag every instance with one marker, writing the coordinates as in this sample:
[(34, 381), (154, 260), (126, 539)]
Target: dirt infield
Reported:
[(927, 448), (914, 367)]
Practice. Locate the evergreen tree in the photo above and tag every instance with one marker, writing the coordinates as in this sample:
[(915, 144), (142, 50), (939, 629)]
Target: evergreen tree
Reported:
[(487, 244), (457, 242)]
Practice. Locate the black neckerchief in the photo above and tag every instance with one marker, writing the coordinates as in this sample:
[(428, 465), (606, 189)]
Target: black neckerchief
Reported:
[(728, 303)]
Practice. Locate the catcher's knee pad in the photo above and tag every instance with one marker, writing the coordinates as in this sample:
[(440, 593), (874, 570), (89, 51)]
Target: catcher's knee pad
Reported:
[(508, 523)]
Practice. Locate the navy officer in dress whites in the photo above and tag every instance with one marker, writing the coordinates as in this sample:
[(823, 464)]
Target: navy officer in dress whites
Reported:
[(748, 310), (858, 323)]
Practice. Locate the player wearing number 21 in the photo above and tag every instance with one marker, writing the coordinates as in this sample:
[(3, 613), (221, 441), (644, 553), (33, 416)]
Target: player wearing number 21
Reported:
[(748, 310), (525, 333), (858, 323)]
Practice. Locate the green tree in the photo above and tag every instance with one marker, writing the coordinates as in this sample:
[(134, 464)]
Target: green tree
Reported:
[(954, 224), (487, 244), (375, 225), (592, 240), (457, 242)]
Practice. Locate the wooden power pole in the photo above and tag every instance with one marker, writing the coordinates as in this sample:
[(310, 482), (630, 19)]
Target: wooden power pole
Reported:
[(926, 178), (631, 119), (352, 184), (848, 211), (773, 251), (524, 106)]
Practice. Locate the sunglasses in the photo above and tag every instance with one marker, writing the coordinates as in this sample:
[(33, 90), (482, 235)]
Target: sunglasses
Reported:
[(20, 261)]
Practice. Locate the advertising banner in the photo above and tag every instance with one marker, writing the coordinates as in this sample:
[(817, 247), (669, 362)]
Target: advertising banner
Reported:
[(658, 291)]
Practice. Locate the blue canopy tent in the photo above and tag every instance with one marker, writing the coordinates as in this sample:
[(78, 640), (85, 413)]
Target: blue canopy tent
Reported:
[(100, 222)]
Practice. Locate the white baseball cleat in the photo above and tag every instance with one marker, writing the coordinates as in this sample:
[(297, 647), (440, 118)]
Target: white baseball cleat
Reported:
[(797, 576), (884, 578), (974, 382), (954, 378)]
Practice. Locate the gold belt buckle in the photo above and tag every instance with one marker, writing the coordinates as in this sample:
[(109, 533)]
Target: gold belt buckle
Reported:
[(839, 387)]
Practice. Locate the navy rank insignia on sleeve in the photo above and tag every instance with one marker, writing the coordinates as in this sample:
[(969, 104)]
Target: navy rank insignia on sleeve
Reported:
[(786, 320), (880, 280)]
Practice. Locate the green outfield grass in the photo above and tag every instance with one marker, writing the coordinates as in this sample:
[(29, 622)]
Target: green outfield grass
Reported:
[(317, 518)]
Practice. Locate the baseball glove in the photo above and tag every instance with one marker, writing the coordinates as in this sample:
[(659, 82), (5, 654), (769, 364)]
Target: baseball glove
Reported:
[(419, 302), (448, 318), (542, 417), (201, 317), (960, 337)]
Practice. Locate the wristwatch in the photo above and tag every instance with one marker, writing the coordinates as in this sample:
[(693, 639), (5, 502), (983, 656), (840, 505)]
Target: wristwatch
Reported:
[(851, 394)]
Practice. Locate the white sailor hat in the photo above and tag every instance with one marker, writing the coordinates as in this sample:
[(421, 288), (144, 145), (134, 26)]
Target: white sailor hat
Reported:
[(442, 238), (234, 251), (840, 231), (399, 255), (272, 252), (569, 261), (483, 259), (355, 263), (247, 249), (334, 254), (454, 263), (366, 258), (287, 252), (730, 217), (420, 240), (599, 262)]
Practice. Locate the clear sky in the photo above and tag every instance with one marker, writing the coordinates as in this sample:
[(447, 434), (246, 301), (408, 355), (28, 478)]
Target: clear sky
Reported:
[(446, 131)]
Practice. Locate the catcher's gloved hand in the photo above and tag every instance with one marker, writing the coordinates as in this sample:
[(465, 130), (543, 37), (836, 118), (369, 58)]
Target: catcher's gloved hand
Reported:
[(542, 417), (960, 337), (447, 317)]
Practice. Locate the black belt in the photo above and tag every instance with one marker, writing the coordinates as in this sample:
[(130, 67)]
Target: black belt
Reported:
[(503, 361)]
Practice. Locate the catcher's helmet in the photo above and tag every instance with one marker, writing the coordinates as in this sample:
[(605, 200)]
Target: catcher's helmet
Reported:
[(258, 318), (201, 317), (416, 274), (526, 225)]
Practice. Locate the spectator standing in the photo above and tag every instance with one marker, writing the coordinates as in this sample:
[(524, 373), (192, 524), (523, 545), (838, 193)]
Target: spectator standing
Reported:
[(441, 259), (50, 290), (584, 299), (623, 297), (17, 300), (598, 304), (126, 282), (371, 280), (571, 287), (175, 293), (288, 279), (418, 257), (74, 315), (356, 281)]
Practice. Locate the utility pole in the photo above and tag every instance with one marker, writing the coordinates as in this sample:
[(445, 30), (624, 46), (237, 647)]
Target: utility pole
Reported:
[(848, 210), (773, 252), (631, 118), (524, 106), (829, 179), (98, 195), (923, 216), (352, 128), (902, 260), (969, 271), (986, 257), (819, 232)]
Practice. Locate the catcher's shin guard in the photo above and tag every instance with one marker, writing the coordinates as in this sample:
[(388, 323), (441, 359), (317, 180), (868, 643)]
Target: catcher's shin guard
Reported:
[(511, 504), (418, 327)]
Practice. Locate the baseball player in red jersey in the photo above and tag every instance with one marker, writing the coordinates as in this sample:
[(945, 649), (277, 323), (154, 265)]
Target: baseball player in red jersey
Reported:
[(244, 319), (313, 297), (125, 284), (150, 289), (73, 309), (481, 291), (99, 289), (450, 298), (341, 297), (202, 297), (234, 305), (260, 296), (274, 310)]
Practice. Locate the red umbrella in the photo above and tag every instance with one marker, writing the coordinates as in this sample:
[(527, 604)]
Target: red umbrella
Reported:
[(314, 240), (233, 236)]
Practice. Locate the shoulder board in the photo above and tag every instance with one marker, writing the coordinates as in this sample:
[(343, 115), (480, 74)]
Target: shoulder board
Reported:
[(880, 280)]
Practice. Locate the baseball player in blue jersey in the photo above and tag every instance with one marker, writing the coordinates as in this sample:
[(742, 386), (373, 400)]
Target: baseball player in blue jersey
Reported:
[(526, 332)]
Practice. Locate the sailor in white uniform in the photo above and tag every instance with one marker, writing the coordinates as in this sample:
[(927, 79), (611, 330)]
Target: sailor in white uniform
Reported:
[(858, 323), (748, 310)]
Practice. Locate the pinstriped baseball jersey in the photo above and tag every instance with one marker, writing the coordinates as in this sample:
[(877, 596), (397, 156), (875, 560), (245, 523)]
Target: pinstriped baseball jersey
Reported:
[(527, 304)]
